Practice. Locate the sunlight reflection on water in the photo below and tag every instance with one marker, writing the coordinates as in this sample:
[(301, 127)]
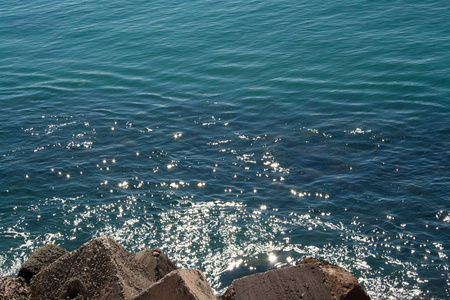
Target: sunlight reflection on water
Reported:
[(231, 204)]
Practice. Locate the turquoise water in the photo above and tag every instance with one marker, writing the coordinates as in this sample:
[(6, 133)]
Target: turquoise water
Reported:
[(237, 136)]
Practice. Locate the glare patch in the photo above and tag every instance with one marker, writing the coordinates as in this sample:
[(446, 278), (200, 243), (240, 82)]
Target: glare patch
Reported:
[(123, 184)]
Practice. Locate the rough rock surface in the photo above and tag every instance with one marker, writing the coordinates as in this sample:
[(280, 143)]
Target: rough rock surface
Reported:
[(14, 288), (344, 285), (39, 259), (103, 269), (182, 284), (157, 263), (100, 269), (296, 282), (311, 279)]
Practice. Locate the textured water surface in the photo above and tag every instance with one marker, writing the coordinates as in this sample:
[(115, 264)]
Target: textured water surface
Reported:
[(237, 136)]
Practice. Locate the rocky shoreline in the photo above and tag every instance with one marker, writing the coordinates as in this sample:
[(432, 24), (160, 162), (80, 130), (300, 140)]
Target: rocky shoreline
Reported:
[(104, 269)]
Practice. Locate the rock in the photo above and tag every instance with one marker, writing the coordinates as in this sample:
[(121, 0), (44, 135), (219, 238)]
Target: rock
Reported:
[(100, 269), (157, 263), (14, 288), (184, 284), (296, 282), (311, 279), (39, 259), (344, 285)]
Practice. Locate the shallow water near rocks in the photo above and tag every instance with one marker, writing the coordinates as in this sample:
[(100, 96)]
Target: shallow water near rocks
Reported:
[(237, 136)]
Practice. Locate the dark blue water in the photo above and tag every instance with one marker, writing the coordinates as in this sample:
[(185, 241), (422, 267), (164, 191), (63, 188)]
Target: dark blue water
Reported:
[(237, 136)]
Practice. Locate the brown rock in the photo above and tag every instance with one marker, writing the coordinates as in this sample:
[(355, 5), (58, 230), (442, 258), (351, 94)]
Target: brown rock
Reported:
[(39, 259), (157, 263), (14, 288), (344, 285), (297, 282), (184, 284), (100, 269)]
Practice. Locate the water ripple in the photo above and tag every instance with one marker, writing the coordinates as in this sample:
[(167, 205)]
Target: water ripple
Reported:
[(236, 136)]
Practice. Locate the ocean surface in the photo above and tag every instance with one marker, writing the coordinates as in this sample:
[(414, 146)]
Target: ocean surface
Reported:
[(238, 136)]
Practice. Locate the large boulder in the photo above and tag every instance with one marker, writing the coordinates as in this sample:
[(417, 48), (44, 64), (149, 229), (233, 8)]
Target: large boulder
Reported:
[(312, 279), (100, 269), (39, 259), (14, 288), (344, 285), (296, 282), (184, 284), (157, 263)]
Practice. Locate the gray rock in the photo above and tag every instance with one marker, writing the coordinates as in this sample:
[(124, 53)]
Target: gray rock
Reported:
[(312, 278), (297, 282), (344, 285), (157, 263), (184, 284), (39, 259), (14, 288), (100, 269)]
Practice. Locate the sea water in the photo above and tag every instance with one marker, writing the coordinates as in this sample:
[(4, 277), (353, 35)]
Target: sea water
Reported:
[(238, 136)]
